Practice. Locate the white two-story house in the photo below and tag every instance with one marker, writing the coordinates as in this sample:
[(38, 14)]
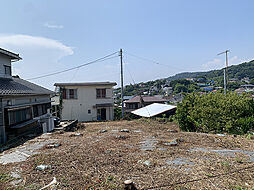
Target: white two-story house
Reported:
[(88, 101), (24, 106)]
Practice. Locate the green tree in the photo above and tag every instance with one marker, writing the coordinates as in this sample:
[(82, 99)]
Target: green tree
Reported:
[(216, 113)]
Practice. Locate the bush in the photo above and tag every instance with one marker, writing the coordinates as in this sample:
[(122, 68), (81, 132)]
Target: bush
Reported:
[(216, 113), (117, 113)]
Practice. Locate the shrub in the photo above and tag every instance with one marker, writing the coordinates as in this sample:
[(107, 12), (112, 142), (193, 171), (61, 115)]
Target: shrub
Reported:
[(216, 113)]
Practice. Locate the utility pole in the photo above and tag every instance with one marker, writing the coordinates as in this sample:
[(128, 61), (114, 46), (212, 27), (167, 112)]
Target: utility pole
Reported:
[(225, 82), (225, 70), (121, 60)]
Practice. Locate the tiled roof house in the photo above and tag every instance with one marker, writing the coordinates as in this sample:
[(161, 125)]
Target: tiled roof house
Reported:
[(24, 106)]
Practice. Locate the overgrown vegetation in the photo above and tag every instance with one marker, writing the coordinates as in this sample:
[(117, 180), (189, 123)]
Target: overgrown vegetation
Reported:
[(216, 113)]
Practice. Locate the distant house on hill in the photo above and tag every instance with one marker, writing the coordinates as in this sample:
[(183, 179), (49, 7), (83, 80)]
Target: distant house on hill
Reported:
[(89, 101), (248, 86), (127, 98), (141, 101), (24, 106), (233, 80), (207, 88), (245, 79)]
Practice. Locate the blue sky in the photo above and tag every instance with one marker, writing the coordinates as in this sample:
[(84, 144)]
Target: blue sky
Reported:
[(181, 35)]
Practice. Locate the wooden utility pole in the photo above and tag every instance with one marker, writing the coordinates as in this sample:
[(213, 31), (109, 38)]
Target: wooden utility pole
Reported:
[(121, 60), (225, 70)]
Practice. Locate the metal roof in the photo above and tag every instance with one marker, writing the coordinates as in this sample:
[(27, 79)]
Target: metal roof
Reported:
[(13, 56), (154, 99), (18, 86), (86, 84), (153, 109)]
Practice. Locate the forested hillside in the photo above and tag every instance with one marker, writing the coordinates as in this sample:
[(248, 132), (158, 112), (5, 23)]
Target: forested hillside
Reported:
[(235, 71)]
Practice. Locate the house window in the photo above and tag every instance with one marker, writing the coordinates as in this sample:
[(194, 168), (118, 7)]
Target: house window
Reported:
[(69, 94), (7, 70), (89, 111), (20, 115), (41, 109), (101, 93)]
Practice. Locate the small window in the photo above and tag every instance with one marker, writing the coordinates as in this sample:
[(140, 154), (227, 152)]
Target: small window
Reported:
[(7, 70), (89, 111), (101, 93), (69, 94)]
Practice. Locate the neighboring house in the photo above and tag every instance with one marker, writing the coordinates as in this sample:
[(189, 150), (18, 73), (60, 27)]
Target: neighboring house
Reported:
[(233, 80), (167, 91), (24, 106), (55, 103), (127, 98), (141, 101), (207, 88), (174, 99), (248, 86), (86, 101), (245, 79)]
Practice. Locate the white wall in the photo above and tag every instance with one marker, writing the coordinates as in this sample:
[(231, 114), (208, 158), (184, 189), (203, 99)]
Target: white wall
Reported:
[(4, 60), (20, 100), (78, 108)]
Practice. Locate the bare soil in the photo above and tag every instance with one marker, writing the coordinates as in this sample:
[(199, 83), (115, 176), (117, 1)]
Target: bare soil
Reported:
[(97, 159)]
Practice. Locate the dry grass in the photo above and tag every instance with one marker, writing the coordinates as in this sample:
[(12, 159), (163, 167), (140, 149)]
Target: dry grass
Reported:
[(104, 160)]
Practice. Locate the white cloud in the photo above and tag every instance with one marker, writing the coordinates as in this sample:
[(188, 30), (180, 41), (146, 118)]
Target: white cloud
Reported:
[(54, 26), (40, 56), (27, 41), (214, 64), (220, 63)]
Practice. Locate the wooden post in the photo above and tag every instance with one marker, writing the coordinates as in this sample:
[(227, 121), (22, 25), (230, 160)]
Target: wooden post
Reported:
[(129, 185)]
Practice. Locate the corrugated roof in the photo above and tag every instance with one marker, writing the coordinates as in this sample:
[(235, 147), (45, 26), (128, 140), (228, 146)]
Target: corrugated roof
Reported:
[(137, 99), (18, 86), (86, 84), (153, 109)]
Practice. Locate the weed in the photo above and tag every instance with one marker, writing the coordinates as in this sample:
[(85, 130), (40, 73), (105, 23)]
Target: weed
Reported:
[(239, 160), (5, 178), (240, 188), (226, 165)]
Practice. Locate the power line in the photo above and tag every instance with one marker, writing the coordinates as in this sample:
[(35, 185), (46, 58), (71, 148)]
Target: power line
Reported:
[(130, 74), (139, 57), (85, 64), (150, 60), (141, 98)]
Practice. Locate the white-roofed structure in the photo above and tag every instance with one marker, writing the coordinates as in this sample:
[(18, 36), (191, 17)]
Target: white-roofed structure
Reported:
[(153, 110)]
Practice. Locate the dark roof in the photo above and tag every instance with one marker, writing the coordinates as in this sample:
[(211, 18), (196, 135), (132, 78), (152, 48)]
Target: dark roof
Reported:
[(137, 99), (18, 86), (86, 84), (12, 55), (247, 85)]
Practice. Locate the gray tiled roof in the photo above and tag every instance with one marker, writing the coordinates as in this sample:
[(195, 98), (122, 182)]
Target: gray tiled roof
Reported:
[(18, 86)]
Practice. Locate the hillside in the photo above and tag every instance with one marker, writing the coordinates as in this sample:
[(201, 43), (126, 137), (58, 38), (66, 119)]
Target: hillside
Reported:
[(235, 71)]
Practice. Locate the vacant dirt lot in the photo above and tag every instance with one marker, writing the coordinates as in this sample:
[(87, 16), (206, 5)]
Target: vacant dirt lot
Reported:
[(154, 155)]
